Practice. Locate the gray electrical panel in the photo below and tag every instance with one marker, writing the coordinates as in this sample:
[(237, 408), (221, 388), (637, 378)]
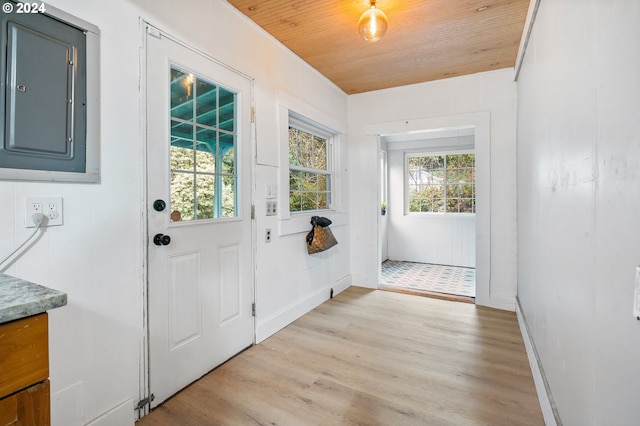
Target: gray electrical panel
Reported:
[(43, 99)]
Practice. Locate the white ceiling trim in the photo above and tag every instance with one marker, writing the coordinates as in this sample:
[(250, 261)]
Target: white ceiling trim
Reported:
[(526, 33)]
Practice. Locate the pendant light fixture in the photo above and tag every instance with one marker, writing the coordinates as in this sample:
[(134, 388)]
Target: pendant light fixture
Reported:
[(373, 23)]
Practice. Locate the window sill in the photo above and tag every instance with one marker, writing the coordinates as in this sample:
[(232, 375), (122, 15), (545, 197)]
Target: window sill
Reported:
[(441, 215), (300, 222)]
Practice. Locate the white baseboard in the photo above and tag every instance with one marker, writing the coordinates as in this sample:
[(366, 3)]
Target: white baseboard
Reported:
[(506, 303), (278, 321), (549, 412)]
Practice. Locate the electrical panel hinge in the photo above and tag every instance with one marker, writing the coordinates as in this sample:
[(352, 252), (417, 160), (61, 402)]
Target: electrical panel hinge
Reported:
[(145, 401), (253, 211), (253, 115), (253, 309)]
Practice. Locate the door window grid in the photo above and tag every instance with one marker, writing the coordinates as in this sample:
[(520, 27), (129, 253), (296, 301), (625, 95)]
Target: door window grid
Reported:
[(202, 148), (441, 183)]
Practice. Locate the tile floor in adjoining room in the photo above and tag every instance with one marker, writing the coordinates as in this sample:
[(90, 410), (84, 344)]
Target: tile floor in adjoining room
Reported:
[(426, 277)]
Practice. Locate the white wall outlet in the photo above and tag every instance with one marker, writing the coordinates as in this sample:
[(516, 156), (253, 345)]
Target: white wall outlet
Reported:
[(51, 207), (35, 206), (267, 236)]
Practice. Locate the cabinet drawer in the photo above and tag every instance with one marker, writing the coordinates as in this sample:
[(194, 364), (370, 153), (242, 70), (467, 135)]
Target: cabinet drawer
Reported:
[(29, 407), (24, 353)]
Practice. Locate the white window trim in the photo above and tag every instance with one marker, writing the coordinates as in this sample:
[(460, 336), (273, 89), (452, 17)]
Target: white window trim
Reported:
[(312, 128), (302, 112), (434, 153)]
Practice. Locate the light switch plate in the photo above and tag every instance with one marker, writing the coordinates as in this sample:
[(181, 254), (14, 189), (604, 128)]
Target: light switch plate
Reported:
[(271, 190), (271, 208)]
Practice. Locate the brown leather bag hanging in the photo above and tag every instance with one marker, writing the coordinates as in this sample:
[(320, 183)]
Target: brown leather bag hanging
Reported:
[(320, 238)]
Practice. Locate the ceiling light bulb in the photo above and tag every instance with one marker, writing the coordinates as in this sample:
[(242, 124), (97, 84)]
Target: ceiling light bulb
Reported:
[(372, 24)]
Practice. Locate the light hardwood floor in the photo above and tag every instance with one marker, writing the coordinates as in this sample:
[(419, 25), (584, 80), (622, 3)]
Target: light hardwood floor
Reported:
[(371, 357)]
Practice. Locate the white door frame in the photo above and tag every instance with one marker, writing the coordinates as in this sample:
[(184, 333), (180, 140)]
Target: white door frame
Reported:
[(481, 121), (143, 403)]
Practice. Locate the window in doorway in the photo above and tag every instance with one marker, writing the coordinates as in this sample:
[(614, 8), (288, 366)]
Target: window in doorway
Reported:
[(441, 183), (202, 148)]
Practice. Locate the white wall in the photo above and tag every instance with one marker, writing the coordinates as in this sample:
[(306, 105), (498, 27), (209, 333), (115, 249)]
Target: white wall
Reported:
[(578, 205), (97, 257), (427, 238), (454, 102)]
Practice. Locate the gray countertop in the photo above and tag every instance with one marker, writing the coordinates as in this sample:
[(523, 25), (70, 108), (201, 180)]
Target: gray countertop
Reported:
[(20, 298)]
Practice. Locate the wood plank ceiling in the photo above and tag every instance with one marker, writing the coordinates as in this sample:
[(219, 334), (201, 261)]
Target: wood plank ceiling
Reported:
[(426, 40)]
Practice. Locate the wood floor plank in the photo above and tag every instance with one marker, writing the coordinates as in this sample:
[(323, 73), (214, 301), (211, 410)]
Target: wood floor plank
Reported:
[(371, 357)]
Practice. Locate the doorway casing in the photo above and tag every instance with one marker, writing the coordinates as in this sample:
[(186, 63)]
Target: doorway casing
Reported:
[(146, 29), (481, 122)]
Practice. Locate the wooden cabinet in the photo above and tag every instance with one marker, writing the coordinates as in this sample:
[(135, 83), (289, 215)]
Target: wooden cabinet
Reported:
[(24, 371), (27, 407)]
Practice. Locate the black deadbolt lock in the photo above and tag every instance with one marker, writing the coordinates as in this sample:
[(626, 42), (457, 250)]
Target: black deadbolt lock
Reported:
[(161, 240), (159, 205)]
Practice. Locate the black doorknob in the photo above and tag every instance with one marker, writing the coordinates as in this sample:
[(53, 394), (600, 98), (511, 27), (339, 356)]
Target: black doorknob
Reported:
[(161, 240), (159, 205)]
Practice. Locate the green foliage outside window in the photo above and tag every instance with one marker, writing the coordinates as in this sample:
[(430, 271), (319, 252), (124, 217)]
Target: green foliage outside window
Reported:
[(442, 183), (309, 176), (199, 204)]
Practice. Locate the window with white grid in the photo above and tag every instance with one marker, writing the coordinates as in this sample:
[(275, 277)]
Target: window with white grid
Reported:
[(310, 172), (441, 183)]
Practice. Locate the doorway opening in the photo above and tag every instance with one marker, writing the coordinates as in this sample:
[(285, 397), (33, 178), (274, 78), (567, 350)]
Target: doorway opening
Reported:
[(427, 235)]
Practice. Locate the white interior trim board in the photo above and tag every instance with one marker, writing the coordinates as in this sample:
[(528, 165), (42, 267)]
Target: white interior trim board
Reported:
[(547, 404), (526, 33)]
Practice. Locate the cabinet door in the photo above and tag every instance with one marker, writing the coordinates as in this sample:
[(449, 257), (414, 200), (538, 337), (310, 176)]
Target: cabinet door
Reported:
[(29, 407), (9, 410), (24, 353)]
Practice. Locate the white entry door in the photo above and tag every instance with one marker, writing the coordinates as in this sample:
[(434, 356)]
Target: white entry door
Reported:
[(200, 274)]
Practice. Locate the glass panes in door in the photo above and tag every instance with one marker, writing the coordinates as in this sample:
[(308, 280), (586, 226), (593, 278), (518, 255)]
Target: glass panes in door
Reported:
[(203, 148)]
